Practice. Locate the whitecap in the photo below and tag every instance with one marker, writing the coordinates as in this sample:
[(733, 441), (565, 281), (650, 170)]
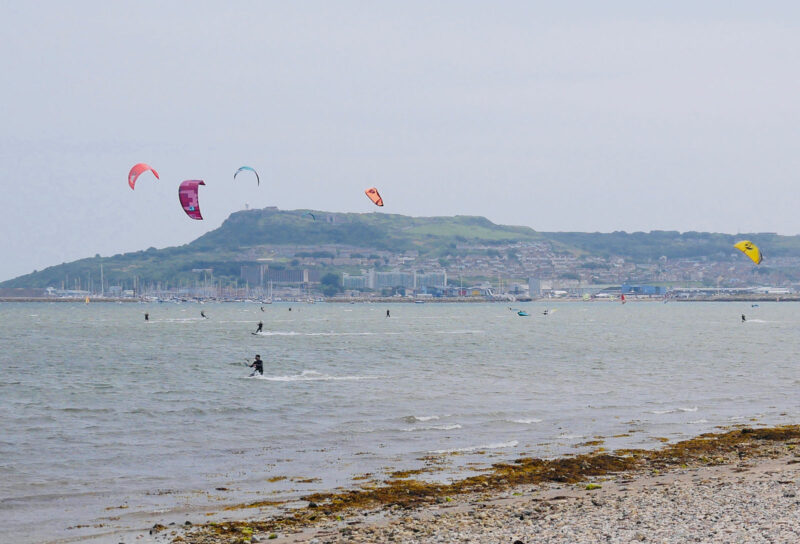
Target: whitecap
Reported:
[(294, 333), (433, 428), (412, 419), (310, 376), (526, 421), (493, 446), (673, 410)]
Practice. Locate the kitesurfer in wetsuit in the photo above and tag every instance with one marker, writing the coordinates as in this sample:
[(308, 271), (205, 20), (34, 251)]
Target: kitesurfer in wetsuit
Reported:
[(258, 364), (743, 318), (544, 312), (146, 316), (203, 314), (260, 327), (387, 313)]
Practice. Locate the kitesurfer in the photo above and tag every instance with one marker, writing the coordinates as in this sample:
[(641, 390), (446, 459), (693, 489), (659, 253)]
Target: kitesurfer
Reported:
[(387, 313), (146, 316), (260, 327), (544, 312), (258, 364), (743, 318), (203, 314), (262, 308)]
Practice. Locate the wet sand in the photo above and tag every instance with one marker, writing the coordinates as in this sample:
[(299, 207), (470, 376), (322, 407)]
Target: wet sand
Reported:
[(739, 486)]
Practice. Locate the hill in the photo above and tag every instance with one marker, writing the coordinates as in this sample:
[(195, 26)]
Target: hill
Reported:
[(256, 236)]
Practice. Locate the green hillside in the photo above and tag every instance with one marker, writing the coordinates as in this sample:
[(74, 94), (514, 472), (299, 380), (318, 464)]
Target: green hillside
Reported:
[(247, 236), (234, 243)]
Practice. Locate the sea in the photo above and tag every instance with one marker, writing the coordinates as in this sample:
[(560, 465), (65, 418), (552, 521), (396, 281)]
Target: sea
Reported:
[(110, 423)]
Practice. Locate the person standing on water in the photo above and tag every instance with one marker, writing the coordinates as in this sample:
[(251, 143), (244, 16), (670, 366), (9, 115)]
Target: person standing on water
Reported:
[(258, 364), (260, 327), (387, 313), (743, 318), (146, 316)]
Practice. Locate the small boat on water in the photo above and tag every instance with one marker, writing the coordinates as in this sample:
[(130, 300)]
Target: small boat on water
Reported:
[(523, 313)]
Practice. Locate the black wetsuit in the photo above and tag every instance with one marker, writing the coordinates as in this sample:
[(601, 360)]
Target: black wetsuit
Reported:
[(147, 317), (260, 327), (258, 364)]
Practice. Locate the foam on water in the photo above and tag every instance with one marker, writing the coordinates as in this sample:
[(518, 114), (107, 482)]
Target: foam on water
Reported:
[(309, 376), (492, 446), (433, 428), (412, 419), (673, 410)]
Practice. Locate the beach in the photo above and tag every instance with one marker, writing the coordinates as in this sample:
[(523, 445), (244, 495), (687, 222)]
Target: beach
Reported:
[(739, 486)]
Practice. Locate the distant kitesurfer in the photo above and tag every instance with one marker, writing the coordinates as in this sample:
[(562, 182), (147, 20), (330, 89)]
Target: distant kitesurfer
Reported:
[(258, 364), (290, 308), (260, 327), (146, 316), (387, 313), (203, 314), (262, 308), (544, 312), (743, 318)]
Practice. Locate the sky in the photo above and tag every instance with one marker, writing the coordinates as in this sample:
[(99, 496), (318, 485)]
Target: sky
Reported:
[(568, 116)]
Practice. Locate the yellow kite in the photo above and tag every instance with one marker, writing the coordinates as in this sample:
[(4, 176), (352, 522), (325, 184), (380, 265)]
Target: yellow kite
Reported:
[(750, 249)]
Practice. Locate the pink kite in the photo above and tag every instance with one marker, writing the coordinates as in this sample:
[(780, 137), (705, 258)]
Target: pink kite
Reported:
[(187, 193), (138, 169)]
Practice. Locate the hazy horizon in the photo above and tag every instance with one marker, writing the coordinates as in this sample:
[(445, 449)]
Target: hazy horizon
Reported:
[(576, 117)]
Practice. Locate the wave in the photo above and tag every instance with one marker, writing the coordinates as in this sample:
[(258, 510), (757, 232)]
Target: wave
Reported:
[(294, 333), (493, 446), (525, 421), (309, 376), (673, 411), (433, 428), (412, 419)]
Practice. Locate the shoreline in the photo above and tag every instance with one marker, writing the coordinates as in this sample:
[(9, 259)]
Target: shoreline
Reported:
[(411, 300), (566, 499)]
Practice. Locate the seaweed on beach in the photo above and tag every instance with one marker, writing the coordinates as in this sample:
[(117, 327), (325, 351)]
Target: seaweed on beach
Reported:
[(709, 448)]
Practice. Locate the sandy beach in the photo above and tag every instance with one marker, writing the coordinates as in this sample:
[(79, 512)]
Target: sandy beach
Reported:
[(738, 486)]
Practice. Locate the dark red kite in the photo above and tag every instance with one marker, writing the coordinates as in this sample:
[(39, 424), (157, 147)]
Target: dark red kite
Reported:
[(187, 193)]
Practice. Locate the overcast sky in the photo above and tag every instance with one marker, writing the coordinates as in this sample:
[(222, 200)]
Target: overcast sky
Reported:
[(581, 116)]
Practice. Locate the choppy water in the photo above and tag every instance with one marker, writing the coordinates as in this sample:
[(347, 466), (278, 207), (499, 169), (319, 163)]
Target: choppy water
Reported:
[(109, 423)]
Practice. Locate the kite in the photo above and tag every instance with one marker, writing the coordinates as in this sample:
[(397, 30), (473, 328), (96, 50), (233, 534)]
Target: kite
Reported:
[(750, 249), (373, 194), (312, 215), (137, 169), (187, 193), (251, 169)]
